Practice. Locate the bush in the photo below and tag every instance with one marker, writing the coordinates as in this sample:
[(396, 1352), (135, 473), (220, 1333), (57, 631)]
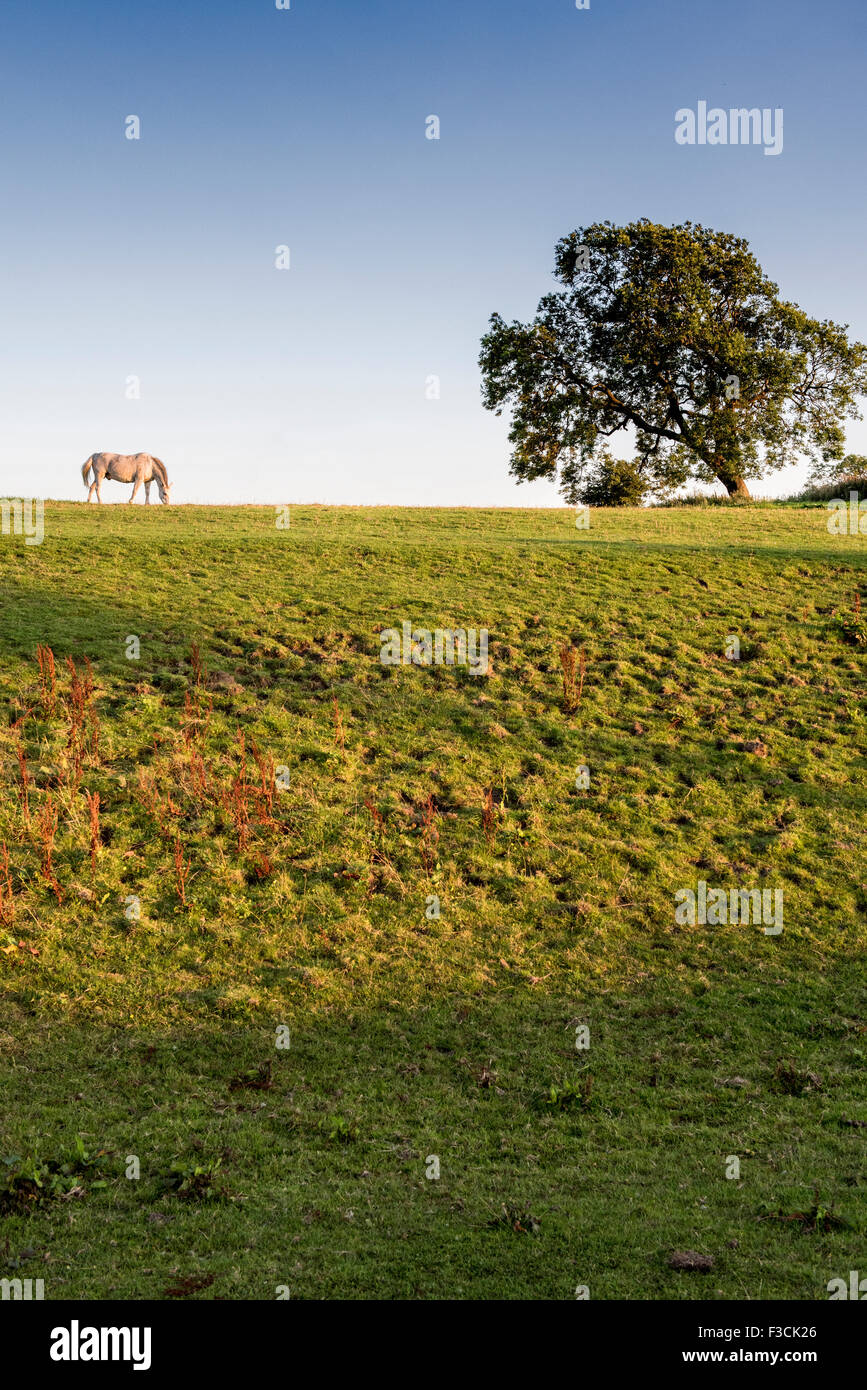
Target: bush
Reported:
[(614, 483), (840, 487), (716, 499), (837, 479)]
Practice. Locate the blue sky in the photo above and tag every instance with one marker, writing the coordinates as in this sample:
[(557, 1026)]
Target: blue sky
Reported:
[(306, 127)]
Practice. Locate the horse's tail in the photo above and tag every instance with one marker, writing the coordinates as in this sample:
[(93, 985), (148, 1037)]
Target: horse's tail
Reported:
[(86, 469)]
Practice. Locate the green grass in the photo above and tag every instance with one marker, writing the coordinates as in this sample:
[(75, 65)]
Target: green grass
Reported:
[(414, 1036)]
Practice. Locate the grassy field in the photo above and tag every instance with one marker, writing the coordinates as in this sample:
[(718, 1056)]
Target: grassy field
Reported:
[(228, 975)]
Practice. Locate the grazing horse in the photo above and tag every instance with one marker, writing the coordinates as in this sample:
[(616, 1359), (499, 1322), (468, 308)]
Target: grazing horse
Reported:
[(127, 468)]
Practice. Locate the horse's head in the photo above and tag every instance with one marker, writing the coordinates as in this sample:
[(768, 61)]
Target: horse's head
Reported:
[(165, 488)]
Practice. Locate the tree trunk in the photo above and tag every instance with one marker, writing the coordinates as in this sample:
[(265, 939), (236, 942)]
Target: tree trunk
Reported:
[(736, 487), (727, 470)]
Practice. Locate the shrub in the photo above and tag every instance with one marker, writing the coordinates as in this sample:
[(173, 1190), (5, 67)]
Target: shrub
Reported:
[(840, 487), (614, 483)]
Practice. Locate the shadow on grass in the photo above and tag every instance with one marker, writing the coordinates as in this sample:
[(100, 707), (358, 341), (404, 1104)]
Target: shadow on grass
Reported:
[(419, 1154)]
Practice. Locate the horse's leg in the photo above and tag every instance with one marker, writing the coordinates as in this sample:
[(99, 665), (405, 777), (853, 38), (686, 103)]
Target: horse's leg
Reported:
[(136, 487), (147, 493), (92, 487), (98, 489)]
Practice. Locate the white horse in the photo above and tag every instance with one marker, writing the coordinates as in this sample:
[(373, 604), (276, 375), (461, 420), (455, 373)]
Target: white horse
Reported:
[(127, 468)]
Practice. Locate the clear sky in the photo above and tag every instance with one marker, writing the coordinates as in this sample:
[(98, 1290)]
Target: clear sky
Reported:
[(155, 258)]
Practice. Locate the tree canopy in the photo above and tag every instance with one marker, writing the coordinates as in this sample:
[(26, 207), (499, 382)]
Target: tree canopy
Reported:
[(677, 332)]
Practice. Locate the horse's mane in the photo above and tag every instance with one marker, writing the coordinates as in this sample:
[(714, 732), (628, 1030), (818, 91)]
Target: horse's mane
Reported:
[(160, 468)]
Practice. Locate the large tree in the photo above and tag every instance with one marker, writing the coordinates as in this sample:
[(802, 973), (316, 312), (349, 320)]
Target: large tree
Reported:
[(677, 332)]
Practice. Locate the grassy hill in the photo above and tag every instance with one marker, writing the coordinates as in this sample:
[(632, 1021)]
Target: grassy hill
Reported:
[(277, 812)]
